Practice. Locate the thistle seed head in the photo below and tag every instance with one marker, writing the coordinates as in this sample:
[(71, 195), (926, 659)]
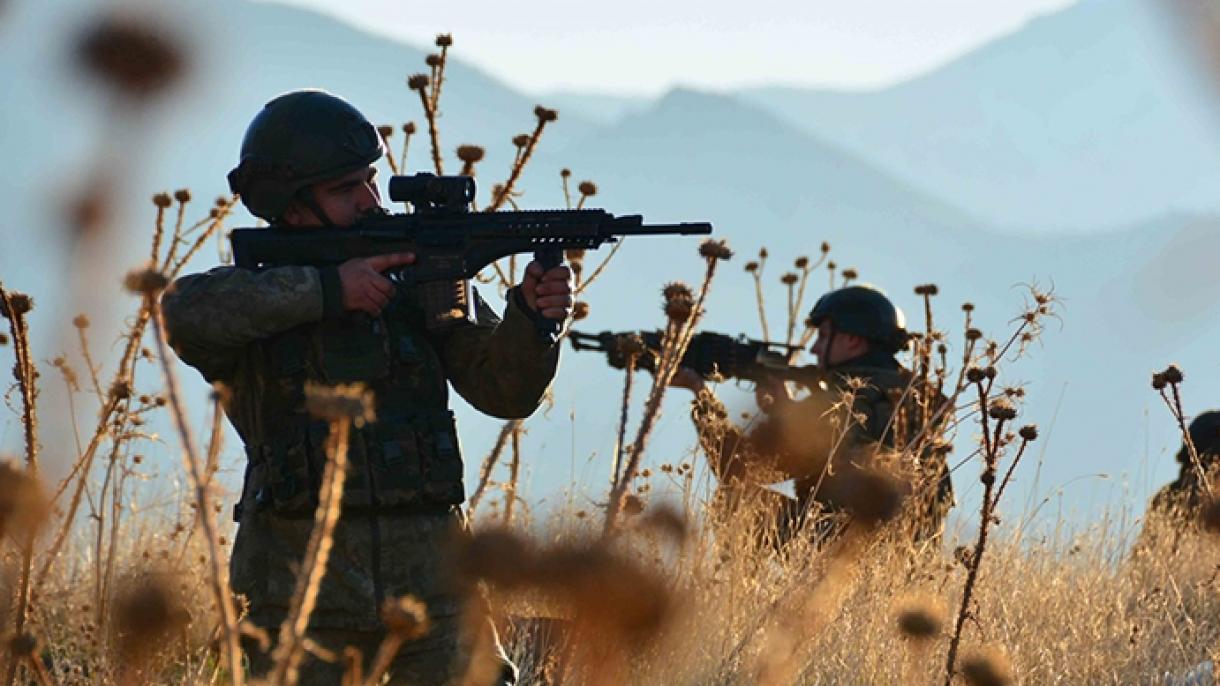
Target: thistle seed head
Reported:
[(545, 114), (20, 302), (433, 60), (587, 188), (789, 279), (470, 153), (162, 200), (987, 666), (444, 40), (1158, 381), (406, 617), (1172, 374), (580, 310), (135, 58), (386, 131), (345, 401), (1029, 432), (921, 618), (713, 249), (183, 195), (146, 281), (418, 82), (408, 128), (802, 262)]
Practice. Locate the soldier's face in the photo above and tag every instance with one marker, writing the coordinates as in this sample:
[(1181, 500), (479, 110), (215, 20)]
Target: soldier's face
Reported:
[(836, 347), (345, 200)]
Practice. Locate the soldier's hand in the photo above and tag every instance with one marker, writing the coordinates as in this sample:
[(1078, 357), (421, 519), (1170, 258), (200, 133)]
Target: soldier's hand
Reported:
[(364, 288), (548, 292), (687, 378)]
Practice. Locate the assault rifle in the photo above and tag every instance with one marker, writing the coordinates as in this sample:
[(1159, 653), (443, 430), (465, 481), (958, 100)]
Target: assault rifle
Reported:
[(733, 357), (450, 243)]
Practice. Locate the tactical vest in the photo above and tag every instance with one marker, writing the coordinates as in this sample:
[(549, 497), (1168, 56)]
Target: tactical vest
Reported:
[(407, 460)]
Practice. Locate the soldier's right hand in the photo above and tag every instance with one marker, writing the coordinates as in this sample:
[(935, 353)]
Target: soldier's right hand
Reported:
[(364, 288)]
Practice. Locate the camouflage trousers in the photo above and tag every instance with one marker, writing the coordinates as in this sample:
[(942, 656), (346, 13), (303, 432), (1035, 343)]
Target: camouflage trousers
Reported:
[(373, 559)]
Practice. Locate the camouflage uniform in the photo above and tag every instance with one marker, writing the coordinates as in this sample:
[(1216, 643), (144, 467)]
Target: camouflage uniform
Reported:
[(1179, 501), (265, 334), (795, 441)]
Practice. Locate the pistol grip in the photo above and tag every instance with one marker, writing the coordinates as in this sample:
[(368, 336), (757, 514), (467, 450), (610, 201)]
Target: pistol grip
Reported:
[(549, 258)]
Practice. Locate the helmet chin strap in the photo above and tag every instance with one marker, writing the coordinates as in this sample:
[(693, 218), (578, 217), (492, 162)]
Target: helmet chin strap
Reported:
[(306, 196)]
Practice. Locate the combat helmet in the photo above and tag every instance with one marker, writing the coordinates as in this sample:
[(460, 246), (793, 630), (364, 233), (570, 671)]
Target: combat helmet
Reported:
[(866, 312), (1204, 432), (298, 139)]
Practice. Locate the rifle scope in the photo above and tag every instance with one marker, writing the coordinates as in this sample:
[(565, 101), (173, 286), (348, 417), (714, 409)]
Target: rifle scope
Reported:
[(431, 192)]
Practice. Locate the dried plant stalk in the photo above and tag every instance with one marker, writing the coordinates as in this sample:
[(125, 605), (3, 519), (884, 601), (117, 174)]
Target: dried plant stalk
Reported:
[(290, 650), (216, 565)]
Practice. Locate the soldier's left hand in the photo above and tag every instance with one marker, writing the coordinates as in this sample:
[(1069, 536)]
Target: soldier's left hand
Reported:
[(548, 292)]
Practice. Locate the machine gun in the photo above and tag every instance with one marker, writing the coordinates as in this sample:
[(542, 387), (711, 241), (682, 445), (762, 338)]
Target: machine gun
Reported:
[(734, 357), (451, 244)]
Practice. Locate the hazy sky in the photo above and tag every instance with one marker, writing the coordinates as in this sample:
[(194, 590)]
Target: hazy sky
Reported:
[(646, 46)]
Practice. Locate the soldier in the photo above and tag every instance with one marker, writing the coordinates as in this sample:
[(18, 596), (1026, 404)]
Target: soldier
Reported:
[(834, 455), (1183, 498), (307, 160)]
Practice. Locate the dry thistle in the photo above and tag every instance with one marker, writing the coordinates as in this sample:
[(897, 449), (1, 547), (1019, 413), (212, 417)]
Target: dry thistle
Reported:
[(386, 131), (418, 82), (21, 304), (147, 281), (136, 58), (1002, 409), (444, 40), (988, 666), (973, 334), (521, 140), (679, 301), (802, 262), (409, 128), (580, 310), (789, 279), (344, 401), (183, 195), (406, 618), (927, 289), (3, 339), (1172, 374), (470, 153), (545, 115), (1158, 381), (752, 267), (120, 390), (967, 307), (23, 645), (713, 249), (921, 618), (565, 173), (850, 274), (433, 60), (587, 188), (23, 504), (145, 611), (1029, 432)]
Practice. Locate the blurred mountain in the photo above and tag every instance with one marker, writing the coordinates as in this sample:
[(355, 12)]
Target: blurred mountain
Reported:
[(1083, 119)]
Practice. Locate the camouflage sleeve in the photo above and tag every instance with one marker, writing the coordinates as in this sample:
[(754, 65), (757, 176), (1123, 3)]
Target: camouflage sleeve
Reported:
[(501, 367), (211, 317)]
